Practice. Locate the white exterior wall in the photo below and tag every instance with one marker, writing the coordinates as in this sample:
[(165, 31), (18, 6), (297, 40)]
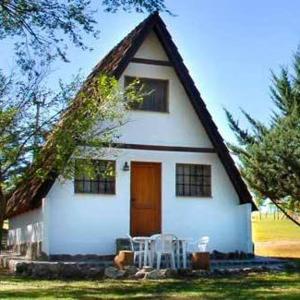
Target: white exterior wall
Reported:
[(86, 224), (82, 223), (26, 228)]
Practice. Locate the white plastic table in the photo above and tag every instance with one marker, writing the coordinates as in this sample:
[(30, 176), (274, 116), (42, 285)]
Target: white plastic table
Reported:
[(144, 242), (144, 245)]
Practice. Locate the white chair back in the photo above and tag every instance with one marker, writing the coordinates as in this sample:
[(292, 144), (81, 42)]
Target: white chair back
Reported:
[(131, 242), (164, 243), (202, 244), (154, 236)]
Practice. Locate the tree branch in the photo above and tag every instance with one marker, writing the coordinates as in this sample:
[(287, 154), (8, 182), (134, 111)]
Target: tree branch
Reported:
[(285, 213)]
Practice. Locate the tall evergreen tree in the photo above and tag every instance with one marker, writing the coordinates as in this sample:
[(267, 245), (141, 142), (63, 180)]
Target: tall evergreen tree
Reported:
[(269, 154)]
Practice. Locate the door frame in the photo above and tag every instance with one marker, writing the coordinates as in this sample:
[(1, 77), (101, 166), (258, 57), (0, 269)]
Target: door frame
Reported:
[(131, 185)]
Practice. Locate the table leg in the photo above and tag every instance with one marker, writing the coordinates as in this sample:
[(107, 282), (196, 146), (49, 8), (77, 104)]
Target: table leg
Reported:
[(150, 254), (140, 255)]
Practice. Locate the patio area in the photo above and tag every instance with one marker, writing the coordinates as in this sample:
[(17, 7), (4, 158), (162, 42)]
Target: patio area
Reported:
[(164, 250), (145, 264), (97, 268)]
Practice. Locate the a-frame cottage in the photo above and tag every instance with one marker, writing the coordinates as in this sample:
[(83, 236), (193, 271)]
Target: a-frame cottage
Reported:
[(173, 173)]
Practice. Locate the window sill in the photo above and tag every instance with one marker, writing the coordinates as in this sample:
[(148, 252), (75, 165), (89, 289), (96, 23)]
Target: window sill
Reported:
[(149, 111), (195, 197), (95, 194)]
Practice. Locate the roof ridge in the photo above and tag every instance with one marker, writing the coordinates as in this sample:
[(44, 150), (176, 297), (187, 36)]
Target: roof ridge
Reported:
[(141, 25)]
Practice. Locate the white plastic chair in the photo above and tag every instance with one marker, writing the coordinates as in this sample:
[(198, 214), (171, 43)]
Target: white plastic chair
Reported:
[(202, 244), (181, 252), (152, 247), (198, 246), (138, 252), (164, 245)]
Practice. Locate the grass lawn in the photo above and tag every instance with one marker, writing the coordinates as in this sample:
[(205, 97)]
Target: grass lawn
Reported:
[(252, 286), (272, 237), (280, 238)]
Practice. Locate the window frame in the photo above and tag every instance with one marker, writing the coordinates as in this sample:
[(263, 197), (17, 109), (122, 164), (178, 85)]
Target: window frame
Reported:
[(129, 78), (100, 179), (209, 186)]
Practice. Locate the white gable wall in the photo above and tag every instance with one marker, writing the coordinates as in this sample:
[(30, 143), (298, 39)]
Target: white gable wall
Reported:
[(28, 228), (180, 126), (151, 49)]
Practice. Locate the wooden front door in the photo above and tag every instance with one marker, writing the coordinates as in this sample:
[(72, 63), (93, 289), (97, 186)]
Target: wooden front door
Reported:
[(145, 198)]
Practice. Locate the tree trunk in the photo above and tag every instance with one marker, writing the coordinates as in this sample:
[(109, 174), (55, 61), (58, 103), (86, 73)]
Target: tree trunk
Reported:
[(285, 213), (2, 213), (1, 231)]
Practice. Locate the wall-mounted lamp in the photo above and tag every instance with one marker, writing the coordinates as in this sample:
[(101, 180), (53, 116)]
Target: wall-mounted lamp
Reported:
[(126, 166)]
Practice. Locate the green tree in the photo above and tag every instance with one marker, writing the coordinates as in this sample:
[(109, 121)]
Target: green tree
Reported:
[(74, 126), (269, 153), (41, 29)]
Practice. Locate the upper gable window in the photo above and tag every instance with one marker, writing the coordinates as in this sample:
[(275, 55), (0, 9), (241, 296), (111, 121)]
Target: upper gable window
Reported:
[(156, 98)]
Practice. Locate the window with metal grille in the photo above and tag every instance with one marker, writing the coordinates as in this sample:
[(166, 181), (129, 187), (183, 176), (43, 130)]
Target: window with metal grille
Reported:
[(156, 94), (102, 181), (193, 180)]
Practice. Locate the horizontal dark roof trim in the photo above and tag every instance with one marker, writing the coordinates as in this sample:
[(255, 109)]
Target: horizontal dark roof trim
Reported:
[(151, 62), (164, 148)]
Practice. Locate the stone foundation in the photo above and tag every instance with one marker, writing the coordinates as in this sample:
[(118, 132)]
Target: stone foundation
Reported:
[(237, 255), (20, 265), (80, 258), (62, 269)]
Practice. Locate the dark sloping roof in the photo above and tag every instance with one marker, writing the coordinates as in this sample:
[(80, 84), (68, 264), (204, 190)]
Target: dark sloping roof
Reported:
[(30, 194)]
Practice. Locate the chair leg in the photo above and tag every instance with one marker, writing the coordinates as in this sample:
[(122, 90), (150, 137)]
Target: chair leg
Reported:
[(184, 260), (178, 253), (158, 259), (150, 259), (140, 260), (140, 255), (173, 261), (184, 255)]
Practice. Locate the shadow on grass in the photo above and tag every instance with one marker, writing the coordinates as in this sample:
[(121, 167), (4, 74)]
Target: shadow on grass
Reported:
[(253, 286)]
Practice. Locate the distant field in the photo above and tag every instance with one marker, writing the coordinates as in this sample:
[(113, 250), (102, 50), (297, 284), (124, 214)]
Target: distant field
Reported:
[(278, 238)]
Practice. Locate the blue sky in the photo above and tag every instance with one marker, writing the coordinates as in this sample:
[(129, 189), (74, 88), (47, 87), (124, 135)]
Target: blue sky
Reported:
[(229, 46)]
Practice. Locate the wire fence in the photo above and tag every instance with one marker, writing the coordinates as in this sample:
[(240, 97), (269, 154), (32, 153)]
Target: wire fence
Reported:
[(274, 215)]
